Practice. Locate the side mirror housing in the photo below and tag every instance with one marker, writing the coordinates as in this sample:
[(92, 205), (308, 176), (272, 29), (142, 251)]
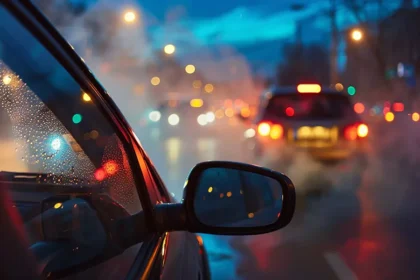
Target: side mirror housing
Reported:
[(231, 198)]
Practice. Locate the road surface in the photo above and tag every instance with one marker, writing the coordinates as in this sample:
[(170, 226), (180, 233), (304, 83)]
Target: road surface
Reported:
[(368, 233)]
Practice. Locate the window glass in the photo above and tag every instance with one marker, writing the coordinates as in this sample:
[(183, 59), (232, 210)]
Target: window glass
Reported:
[(66, 168)]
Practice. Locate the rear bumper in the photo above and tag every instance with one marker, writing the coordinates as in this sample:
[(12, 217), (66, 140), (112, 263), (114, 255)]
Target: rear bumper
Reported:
[(341, 150)]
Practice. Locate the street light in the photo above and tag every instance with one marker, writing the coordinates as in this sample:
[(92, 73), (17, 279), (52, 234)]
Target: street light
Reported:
[(169, 49), (356, 35), (129, 16)]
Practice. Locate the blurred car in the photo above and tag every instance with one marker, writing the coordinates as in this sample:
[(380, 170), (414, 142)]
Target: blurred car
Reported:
[(310, 118), (79, 197), (180, 116)]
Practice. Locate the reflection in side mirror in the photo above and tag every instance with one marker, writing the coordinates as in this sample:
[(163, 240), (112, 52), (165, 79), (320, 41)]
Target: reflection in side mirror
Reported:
[(236, 198)]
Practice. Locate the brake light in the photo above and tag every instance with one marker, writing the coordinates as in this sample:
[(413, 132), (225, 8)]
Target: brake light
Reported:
[(398, 107), (309, 88), (290, 111), (276, 131), (264, 129), (350, 133), (356, 131)]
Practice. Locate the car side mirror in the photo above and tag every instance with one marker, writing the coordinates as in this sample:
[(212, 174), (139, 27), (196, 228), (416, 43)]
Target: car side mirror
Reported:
[(233, 198), (225, 198)]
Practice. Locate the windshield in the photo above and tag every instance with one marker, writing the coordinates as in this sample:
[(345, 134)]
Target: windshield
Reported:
[(309, 106)]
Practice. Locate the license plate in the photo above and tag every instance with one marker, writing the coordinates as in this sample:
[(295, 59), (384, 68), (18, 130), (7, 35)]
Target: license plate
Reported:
[(316, 133)]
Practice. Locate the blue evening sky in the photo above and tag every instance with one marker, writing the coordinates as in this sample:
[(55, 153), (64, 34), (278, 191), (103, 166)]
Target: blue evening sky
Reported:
[(252, 29)]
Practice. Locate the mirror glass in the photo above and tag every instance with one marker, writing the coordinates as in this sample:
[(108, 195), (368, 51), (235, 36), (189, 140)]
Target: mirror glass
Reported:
[(236, 198)]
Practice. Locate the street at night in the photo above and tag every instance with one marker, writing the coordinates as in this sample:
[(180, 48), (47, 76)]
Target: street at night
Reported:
[(210, 140), (370, 233)]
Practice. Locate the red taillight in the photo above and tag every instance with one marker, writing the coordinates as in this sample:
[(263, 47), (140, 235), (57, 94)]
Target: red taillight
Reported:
[(290, 111), (350, 133), (356, 131), (398, 107), (275, 131)]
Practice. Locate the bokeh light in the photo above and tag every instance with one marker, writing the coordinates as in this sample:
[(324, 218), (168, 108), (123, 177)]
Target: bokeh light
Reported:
[(208, 88), (155, 81), (58, 205), (154, 116), (245, 112), (202, 119), (100, 174), (389, 116), (77, 118), (86, 97), (169, 49), (196, 103), (339, 87), (210, 117), (229, 112), (264, 129), (197, 84), (249, 133), (276, 131), (190, 69), (111, 167), (362, 130), (356, 35), (290, 112), (359, 108), (173, 119), (56, 144), (129, 16), (7, 79), (415, 117)]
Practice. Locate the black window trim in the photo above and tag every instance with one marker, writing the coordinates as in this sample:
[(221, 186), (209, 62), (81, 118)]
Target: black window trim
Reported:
[(29, 16)]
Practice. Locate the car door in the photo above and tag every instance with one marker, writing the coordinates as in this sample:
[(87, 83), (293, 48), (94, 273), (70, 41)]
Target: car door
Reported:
[(69, 162), (180, 254)]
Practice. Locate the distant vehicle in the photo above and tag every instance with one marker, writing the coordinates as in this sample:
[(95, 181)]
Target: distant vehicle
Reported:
[(172, 114), (310, 118)]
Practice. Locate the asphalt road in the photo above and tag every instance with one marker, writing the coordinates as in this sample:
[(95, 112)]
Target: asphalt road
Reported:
[(367, 232)]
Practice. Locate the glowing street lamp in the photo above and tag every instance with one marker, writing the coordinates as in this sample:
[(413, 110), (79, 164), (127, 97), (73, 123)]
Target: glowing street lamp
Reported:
[(356, 35), (129, 16), (169, 49)]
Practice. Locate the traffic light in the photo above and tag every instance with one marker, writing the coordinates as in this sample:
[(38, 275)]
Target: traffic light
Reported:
[(351, 90)]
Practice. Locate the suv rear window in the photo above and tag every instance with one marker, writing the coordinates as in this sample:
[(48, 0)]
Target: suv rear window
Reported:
[(309, 106)]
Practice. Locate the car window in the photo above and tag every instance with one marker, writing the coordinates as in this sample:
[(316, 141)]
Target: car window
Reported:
[(309, 106), (66, 167)]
